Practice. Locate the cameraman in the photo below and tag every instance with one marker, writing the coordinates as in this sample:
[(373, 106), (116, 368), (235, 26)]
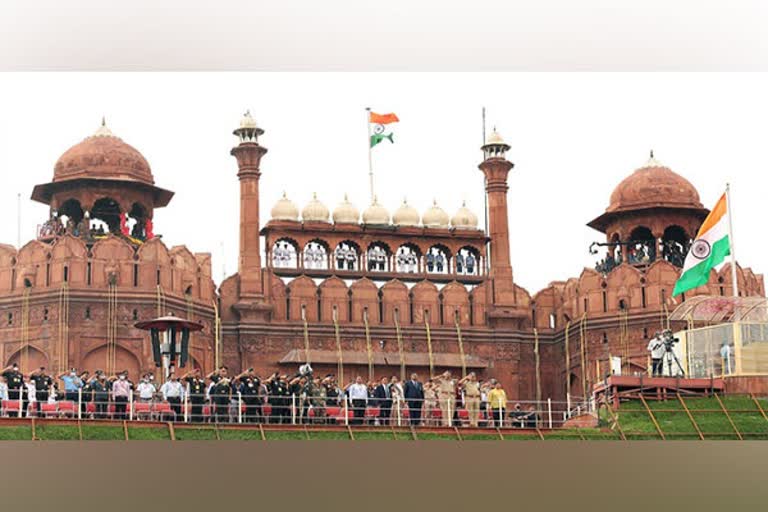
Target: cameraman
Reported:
[(656, 348)]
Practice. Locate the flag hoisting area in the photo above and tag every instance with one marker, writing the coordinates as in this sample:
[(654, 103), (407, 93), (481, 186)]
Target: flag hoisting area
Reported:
[(376, 127)]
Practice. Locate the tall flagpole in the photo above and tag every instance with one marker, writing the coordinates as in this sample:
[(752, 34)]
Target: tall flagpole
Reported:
[(730, 240), (370, 159)]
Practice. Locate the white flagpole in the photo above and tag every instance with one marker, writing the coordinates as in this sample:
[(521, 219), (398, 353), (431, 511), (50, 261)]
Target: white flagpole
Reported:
[(370, 159), (730, 240)]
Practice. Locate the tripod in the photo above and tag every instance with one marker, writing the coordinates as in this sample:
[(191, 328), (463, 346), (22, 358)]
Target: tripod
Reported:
[(670, 357)]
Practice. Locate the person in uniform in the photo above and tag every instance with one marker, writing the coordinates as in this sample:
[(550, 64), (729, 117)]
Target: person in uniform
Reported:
[(470, 262), (277, 393), (100, 394), (43, 386), (459, 263), (249, 385), (471, 388), (430, 262), (439, 262), (446, 396), (15, 381), (221, 394), (318, 400), (196, 391)]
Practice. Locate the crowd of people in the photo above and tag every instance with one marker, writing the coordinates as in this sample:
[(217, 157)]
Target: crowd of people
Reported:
[(279, 398)]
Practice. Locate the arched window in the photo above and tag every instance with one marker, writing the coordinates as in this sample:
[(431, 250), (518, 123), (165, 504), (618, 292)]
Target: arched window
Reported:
[(285, 254), (437, 260), (137, 221), (316, 255), (407, 259), (674, 245), (347, 256), (468, 261), (378, 257), (642, 246), (108, 210)]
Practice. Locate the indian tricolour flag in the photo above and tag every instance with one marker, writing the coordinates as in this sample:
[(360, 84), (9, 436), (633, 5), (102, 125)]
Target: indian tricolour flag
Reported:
[(709, 249)]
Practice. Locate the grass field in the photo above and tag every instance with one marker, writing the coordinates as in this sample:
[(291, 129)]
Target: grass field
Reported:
[(705, 417)]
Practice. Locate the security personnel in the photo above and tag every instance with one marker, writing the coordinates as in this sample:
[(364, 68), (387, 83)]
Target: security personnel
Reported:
[(446, 396), (249, 385), (221, 394), (471, 397), (43, 385), (15, 381), (278, 397), (196, 394)]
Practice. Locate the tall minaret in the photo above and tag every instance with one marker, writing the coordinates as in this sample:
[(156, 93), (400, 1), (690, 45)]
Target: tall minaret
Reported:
[(248, 153), (496, 167)]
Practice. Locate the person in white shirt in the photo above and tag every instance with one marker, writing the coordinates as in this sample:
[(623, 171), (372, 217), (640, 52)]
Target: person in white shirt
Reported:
[(173, 393), (3, 389), (726, 352), (657, 350), (358, 395), (146, 389)]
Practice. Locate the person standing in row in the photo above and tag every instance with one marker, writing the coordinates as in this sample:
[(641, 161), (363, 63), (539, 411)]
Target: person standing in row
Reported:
[(72, 384), (173, 393), (196, 389), (358, 395), (249, 385), (43, 386), (471, 397), (414, 396), (15, 381), (446, 395), (100, 394), (383, 397), (121, 392), (497, 401)]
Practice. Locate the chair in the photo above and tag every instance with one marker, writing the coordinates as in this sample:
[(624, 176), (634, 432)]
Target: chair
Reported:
[(207, 413), (90, 409), (48, 410), (162, 410), (11, 408), (67, 408)]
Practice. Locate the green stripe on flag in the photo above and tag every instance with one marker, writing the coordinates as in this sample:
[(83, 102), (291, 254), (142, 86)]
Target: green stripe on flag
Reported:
[(378, 137), (699, 274)]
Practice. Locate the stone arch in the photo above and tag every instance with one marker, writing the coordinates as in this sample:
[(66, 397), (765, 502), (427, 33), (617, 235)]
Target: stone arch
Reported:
[(468, 261), (284, 253), (35, 358), (125, 359), (183, 270), (31, 264), (365, 295), (408, 258), (394, 296), (315, 254), (438, 259), (378, 257), (334, 292), (72, 210), (69, 261), (346, 255), (478, 300), (303, 293), (456, 299), (113, 259), (7, 267), (153, 259), (425, 299)]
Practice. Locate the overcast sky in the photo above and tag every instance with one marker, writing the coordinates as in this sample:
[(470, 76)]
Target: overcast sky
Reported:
[(574, 137)]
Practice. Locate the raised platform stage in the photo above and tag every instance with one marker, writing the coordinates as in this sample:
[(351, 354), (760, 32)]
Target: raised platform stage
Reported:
[(618, 387)]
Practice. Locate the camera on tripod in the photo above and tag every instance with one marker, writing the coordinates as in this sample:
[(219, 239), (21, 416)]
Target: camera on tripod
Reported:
[(669, 339)]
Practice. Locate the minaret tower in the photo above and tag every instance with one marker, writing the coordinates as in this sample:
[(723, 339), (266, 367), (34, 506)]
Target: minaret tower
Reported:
[(496, 167), (248, 154)]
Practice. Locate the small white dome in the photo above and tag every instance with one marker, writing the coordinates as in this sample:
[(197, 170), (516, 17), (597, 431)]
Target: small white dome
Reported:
[(406, 215), (464, 218), (247, 120), (285, 209), (346, 213), (314, 211), (435, 217), (375, 214), (495, 138)]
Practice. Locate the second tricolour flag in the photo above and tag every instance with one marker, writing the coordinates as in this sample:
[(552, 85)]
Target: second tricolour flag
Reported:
[(378, 121), (709, 249)]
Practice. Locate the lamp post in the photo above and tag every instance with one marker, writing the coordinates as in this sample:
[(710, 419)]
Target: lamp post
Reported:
[(167, 347)]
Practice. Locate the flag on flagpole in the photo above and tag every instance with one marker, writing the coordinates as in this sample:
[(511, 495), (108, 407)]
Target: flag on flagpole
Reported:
[(709, 249), (377, 134)]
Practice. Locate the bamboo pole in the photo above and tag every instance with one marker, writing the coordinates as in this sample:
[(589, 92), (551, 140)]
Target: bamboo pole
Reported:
[(368, 346), (567, 362), (538, 364)]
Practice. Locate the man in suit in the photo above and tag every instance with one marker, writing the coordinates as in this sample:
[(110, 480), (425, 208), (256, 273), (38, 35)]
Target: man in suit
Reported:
[(383, 396), (414, 395)]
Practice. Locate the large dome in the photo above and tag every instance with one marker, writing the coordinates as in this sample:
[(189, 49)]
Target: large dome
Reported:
[(654, 185), (103, 156)]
